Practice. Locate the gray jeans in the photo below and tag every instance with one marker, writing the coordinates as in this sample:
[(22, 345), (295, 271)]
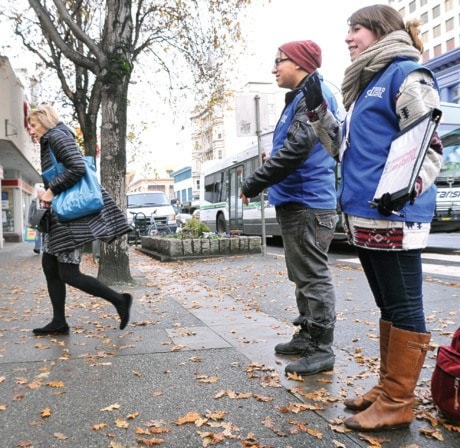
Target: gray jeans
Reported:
[(307, 235)]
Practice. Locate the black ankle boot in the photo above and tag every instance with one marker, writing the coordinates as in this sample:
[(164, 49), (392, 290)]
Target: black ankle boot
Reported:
[(52, 328), (123, 310)]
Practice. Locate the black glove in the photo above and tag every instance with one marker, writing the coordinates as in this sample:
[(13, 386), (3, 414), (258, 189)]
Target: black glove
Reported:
[(312, 91), (386, 206)]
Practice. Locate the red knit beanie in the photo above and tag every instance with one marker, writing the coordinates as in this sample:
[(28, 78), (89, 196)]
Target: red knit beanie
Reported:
[(304, 53)]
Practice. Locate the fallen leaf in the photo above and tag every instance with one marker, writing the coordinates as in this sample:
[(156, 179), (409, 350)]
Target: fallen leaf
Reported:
[(45, 413), (432, 434), (295, 377), (190, 417), (60, 436), (111, 407), (149, 442), (315, 433), (211, 438), (270, 424), (208, 379), (216, 415), (121, 423)]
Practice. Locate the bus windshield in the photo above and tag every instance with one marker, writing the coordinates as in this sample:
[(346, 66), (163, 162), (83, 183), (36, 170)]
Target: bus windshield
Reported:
[(450, 168)]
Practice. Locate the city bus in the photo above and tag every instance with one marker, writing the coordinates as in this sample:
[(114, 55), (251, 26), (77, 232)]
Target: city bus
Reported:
[(221, 208), (447, 214)]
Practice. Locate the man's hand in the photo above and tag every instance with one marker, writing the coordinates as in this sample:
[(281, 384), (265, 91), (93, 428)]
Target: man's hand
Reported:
[(312, 91), (244, 198)]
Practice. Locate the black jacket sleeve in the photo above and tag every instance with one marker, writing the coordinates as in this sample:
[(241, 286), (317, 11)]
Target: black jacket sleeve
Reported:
[(66, 152), (298, 145)]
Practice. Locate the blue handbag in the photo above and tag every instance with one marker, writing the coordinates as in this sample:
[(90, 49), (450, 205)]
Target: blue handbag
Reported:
[(82, 199)]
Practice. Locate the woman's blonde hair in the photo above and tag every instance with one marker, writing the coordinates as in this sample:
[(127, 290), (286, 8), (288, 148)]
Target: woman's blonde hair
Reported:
[(383, 20), (46, 115)]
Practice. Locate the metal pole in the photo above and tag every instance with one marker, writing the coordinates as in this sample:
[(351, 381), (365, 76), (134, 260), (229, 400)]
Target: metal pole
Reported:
[(262, 202)]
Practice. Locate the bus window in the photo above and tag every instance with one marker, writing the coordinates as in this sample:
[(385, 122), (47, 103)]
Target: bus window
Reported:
[(447, 213)]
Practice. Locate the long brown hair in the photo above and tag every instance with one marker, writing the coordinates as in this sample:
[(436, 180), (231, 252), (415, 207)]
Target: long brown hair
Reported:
[(383, 20)]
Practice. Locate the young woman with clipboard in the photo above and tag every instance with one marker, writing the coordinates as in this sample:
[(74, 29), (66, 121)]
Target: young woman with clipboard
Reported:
[(385, 90)]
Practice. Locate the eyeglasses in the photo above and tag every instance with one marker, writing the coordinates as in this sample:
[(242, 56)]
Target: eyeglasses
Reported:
[(279, 60)]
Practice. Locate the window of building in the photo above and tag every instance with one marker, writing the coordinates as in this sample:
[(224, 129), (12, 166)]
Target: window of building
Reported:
[(425, 37), (454, 96), (424, 17), (412, 6), (423, 2), (437, 50), (450, 24), (448, 5), (436, 11), (437, 31), (450, 44)]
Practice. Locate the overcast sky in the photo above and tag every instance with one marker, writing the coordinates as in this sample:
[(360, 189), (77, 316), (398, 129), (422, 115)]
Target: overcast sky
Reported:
[(323, 21)]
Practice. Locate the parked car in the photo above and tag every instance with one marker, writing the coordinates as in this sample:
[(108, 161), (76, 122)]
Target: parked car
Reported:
[(147, 207)]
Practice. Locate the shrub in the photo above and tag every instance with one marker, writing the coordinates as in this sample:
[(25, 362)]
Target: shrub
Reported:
[(194, 229)]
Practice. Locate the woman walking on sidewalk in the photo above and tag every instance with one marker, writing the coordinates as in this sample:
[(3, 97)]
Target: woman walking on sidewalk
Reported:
[(63, 242), (385, 90)]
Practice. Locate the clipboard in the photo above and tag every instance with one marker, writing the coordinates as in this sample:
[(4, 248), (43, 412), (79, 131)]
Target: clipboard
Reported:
[(405, 157)]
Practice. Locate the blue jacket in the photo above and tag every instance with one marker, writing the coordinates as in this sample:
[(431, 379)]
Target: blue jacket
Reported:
[(373, 125), (299, 169)]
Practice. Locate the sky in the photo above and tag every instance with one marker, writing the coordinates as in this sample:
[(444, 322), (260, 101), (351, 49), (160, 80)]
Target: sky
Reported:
[(323, 21)]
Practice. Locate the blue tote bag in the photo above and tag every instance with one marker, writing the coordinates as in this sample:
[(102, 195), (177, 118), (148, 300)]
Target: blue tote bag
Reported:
[(83, 199)]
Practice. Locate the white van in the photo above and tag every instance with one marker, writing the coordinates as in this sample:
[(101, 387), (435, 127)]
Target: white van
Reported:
[(150, 205)]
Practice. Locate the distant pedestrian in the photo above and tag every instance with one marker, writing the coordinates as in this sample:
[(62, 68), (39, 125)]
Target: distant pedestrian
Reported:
[(301, 180), (33, 205), (385, 89), (63, 245)]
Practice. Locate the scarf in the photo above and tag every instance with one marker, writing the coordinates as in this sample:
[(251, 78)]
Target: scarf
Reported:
[(372, 60)]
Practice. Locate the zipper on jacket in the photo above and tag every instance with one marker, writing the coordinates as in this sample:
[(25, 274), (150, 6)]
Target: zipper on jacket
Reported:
[(456, 387)]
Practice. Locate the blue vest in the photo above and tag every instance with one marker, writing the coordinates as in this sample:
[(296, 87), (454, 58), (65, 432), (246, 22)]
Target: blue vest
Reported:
[(313, 183), (373, 124)]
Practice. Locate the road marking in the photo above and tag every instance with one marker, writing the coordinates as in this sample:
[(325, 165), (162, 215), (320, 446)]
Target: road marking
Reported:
[(428, 268)]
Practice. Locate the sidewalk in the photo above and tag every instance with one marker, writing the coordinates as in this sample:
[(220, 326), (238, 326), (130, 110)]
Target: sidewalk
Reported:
[(195, 367)]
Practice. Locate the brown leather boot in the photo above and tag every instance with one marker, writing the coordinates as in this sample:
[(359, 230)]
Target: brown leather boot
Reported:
[(364, 401), (393, 407)]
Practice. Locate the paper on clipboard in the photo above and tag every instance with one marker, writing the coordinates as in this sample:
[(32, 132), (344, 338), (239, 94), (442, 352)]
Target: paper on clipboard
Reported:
[(406, 155)]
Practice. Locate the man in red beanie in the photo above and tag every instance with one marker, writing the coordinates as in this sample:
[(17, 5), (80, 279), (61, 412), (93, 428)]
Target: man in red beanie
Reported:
[(301, 180)]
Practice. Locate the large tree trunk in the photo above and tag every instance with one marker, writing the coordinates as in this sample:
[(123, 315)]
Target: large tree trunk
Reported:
[(114, 262)]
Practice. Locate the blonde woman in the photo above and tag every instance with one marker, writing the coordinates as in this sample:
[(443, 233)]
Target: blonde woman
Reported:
[(63, 244)]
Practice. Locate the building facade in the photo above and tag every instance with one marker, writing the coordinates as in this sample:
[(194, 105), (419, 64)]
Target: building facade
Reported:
[(183, 187), (440, 31), (19, 157)]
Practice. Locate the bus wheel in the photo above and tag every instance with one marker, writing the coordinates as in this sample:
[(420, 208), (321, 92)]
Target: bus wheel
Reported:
[(221, 226)]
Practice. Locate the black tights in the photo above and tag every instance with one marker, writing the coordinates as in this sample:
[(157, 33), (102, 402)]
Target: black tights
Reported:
[(59, 274)]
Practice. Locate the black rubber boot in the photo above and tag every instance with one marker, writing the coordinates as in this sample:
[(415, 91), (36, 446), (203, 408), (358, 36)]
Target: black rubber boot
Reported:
[(296, 346), (318, 356)]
